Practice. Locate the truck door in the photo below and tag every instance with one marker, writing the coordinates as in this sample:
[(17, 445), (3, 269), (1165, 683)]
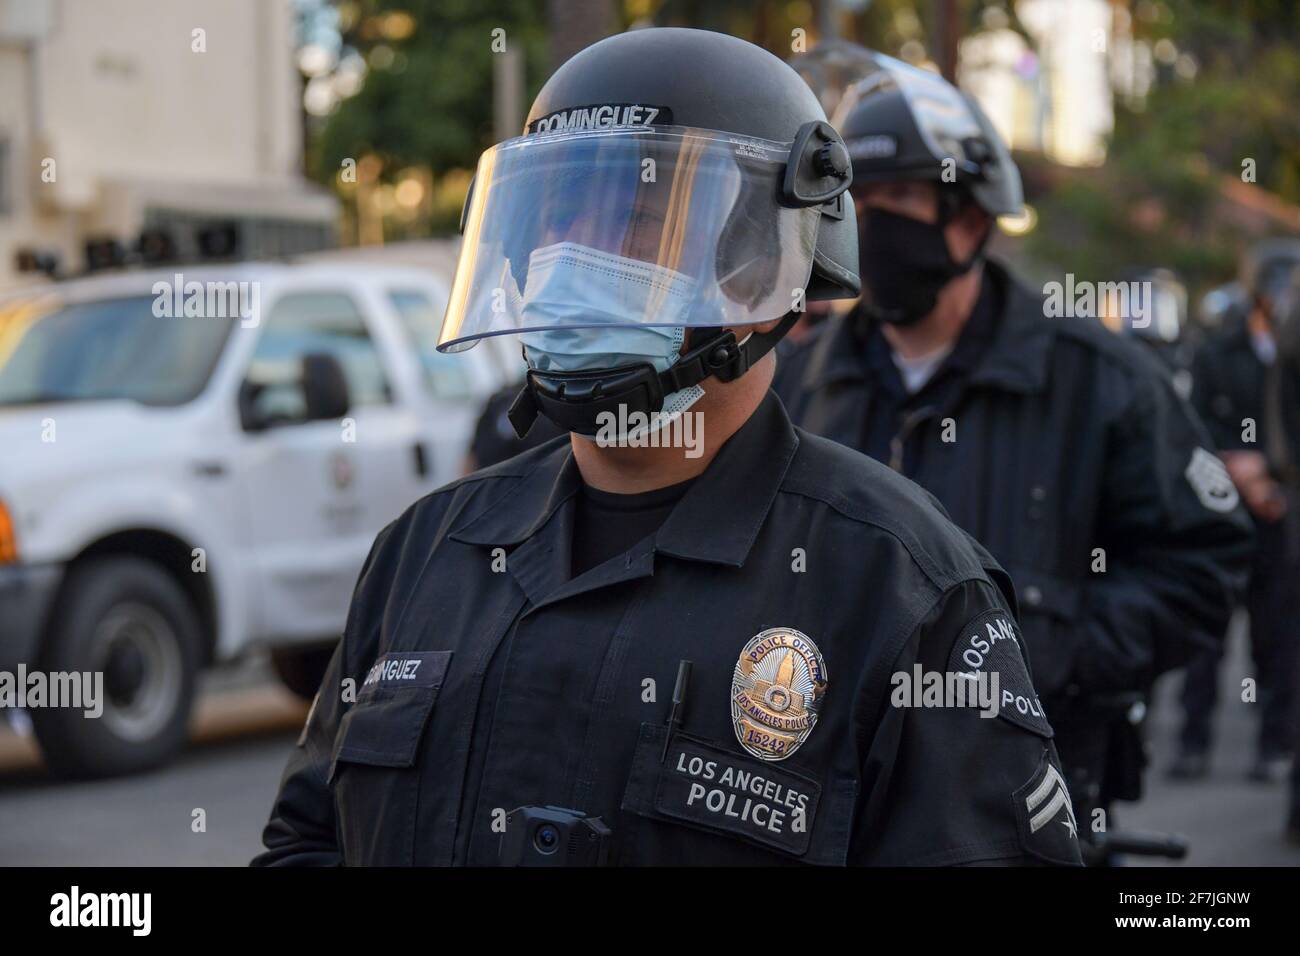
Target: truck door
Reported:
[(307, 483), (454, 388)]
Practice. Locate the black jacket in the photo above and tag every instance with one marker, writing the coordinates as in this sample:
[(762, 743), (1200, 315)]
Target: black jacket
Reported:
[(1231, 389), (1066, 439), (1228, 388), (487, 680)]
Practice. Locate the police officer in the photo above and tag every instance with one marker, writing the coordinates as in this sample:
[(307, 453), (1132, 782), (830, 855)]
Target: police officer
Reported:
[(749, 648), (1282, 424), (1159, 323), (1060, 447), (1229, 391)]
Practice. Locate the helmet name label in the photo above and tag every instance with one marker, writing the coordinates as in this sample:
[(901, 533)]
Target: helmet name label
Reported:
[(602, 116)]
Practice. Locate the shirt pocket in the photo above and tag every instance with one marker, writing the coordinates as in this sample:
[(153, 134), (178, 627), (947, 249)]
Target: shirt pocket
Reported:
[(707, 804), (373, 771)]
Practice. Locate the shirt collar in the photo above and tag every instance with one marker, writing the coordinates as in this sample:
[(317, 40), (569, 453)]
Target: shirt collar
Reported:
[(716, 521), (521, 512), (1002, 346), (721, 515)]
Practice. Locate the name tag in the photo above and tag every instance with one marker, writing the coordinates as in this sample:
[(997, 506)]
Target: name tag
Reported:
[(406, 669)]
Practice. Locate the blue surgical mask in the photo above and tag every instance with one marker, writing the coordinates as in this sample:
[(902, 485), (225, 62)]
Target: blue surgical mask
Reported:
[(568, 283)]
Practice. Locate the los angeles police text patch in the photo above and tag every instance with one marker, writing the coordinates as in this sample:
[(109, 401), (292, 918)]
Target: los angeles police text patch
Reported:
[(1045, 816), (724, 791), (990, 646)]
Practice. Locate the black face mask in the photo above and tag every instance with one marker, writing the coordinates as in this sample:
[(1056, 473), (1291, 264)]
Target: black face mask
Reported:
[(904, 264)]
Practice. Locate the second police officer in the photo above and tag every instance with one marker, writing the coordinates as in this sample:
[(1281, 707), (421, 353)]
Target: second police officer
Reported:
[(1061, 447), (604, 650), (1232, 374)]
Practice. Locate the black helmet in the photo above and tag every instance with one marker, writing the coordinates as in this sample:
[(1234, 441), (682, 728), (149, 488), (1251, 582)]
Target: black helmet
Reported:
[(1266, 267), (1149, 304), (832, 68), (905, 123), (666, 178), (706, 80), (1223, 306)]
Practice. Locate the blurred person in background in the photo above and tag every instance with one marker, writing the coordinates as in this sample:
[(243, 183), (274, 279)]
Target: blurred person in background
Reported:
[(1062, 448), (1282, 421), (1162, 326), (1230, 379)]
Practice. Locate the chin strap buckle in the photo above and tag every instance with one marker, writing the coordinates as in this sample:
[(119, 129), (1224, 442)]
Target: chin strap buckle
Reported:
[(523, 411), (573, 399)]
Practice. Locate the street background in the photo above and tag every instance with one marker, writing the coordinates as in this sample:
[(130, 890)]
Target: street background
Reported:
[(247, 723), (1150, 133)]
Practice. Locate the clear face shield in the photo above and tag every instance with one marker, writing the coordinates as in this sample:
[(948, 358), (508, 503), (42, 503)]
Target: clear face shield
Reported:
[(642, 227)]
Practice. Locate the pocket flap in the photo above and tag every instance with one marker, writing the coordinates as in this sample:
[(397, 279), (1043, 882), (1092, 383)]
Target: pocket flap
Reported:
[(384, 727), (1042, 593)]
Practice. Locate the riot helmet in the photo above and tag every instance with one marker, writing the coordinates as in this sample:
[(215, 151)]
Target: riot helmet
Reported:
[(901, 122), (667, 179), (1266, 268)]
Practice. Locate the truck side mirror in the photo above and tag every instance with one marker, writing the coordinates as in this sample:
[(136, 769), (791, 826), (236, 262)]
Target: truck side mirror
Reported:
[(324, 387)]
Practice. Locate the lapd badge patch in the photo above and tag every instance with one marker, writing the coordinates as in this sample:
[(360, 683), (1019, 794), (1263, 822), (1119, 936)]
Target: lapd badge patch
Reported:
[(1209, 478), (776, 692)]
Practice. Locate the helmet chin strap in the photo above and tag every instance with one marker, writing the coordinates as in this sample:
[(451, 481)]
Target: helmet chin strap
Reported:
[(576, 400)]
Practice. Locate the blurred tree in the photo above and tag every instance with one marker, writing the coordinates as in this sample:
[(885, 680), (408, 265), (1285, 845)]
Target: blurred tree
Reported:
[(1221, 112), (422, 110), (574, 25), (426, 99)]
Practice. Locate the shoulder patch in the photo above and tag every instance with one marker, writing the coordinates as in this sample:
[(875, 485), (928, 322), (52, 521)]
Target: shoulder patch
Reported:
[(1045, 816), (1209, 478), (989, 649)]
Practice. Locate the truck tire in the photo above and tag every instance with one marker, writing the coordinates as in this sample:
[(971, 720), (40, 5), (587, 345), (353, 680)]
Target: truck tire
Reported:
[(125, 618), (301, 669)]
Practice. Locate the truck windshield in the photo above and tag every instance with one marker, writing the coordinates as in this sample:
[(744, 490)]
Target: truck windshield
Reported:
[(107, 349)]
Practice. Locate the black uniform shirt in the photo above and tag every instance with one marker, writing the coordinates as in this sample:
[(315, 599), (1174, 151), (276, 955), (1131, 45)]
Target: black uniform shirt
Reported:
[(407, 758), (1066, 451), (889, 418), (608, 524)]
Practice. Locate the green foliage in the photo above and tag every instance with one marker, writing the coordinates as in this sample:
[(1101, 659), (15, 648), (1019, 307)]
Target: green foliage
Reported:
[(431, 105), (1154, 202)]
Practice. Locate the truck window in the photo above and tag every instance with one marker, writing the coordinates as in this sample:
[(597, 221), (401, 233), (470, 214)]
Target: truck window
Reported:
[(447, 376), (304, 322), (107, 349)]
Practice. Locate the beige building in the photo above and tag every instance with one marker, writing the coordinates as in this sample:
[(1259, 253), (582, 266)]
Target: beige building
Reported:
[(123, 115), (1053, 96)]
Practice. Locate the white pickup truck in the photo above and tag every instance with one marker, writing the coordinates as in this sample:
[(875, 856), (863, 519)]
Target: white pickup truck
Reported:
[(178, 485)]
